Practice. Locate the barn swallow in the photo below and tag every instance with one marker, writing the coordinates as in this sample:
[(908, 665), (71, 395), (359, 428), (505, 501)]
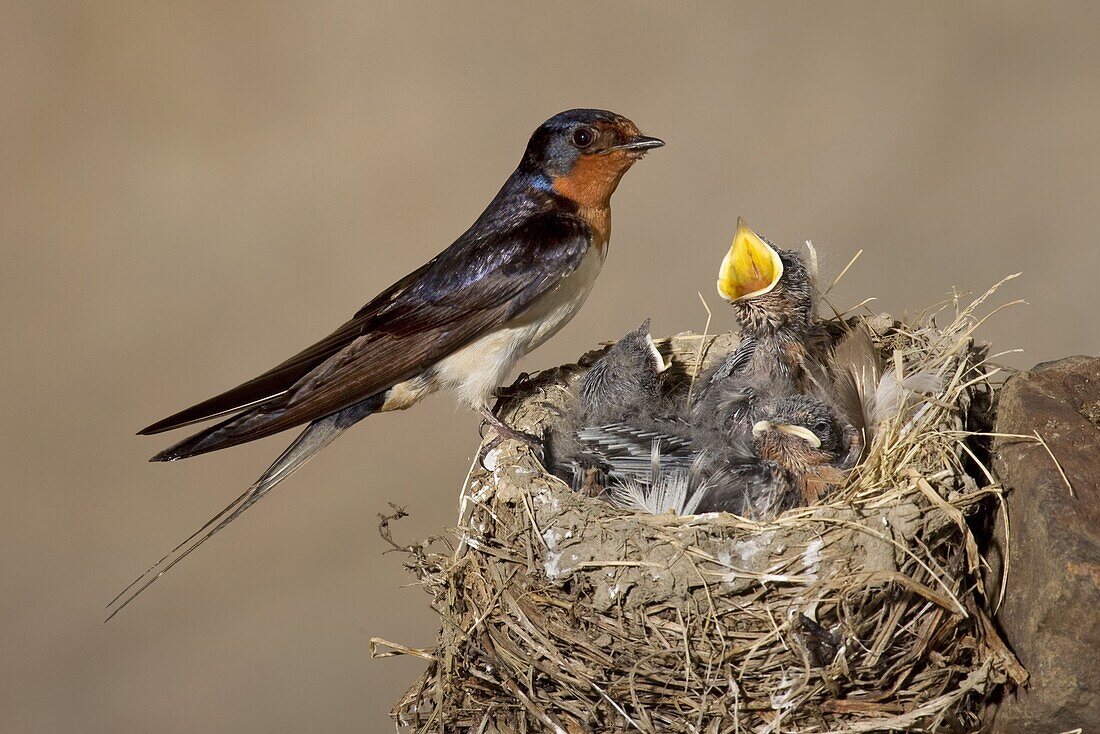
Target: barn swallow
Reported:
[(459, 322)]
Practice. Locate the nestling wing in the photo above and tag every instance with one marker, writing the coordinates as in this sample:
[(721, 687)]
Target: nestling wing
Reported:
[(737, 360), (465, 291), (857, 368), (629, 449)]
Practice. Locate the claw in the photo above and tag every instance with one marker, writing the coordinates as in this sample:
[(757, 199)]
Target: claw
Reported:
[(506, 432), (504, 394), (487, 448)]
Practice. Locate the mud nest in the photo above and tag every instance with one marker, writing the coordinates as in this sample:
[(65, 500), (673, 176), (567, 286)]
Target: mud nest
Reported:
[(863, 612)]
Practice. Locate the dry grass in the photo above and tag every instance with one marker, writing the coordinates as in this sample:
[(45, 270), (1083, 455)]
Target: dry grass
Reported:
[(865, 612)]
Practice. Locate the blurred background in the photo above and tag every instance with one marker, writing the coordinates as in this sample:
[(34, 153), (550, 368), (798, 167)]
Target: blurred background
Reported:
[(192, 191)]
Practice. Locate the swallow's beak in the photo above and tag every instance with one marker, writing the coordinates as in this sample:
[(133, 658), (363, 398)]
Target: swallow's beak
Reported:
[(639, 144), (800, 431), (751, 268)]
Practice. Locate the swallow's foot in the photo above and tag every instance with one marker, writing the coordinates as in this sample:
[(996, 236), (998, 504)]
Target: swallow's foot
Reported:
[(504, 433), (505, 393)]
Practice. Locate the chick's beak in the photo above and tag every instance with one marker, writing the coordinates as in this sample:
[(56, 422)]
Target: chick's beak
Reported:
[(659, 361), (639, 143), (800, 431), (751, 268)]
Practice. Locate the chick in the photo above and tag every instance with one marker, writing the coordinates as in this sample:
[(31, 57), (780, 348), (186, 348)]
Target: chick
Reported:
[(801, 446), (724, 414), (753, 440), (772, 295), (623, 385), (624, 381)]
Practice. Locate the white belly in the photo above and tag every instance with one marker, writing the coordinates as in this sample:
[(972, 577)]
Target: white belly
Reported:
[(479, 367)]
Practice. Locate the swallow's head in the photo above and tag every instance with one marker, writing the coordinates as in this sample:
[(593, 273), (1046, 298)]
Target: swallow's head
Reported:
[(801, 433), (583, 154), (769, 288)]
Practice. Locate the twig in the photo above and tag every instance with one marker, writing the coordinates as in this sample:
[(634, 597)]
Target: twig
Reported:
[(845, 270), (699, 353), (398, 649), (384, 528), (1054, 458)]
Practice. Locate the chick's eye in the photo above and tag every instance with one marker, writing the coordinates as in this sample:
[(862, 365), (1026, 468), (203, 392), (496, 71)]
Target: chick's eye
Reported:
[(583, 137)]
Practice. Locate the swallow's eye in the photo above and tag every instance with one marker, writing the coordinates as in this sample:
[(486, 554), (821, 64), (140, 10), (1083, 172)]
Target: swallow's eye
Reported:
[(821, 427), (583, 137)]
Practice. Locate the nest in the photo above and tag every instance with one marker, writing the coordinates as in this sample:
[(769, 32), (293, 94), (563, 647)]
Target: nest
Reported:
[(863, 612)]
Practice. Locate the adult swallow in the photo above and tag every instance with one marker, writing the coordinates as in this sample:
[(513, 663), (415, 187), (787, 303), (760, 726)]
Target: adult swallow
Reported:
[(459, 322)]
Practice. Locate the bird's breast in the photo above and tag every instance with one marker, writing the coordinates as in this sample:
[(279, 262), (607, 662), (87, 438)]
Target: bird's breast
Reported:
[(478, 368), (555, 308)]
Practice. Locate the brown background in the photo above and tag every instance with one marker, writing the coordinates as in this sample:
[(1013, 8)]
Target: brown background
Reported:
[(191, 191)]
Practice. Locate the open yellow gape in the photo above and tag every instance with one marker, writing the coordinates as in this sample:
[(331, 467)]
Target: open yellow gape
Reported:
[(751, 268)]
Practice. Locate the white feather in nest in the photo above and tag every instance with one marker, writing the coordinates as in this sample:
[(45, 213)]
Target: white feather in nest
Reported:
[(664, 490), (870, 393)]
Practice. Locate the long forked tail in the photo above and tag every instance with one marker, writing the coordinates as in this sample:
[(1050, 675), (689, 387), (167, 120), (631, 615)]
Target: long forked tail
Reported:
[(319, 434)]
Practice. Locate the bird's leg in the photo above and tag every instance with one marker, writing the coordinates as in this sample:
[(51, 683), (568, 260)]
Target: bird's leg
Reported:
[(505, 432)]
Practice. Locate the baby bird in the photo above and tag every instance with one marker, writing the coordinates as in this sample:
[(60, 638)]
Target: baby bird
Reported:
[(801, 445), (797, 446), (772, 295), (624, 382), (770, 428), (781, 345), (623, 386)]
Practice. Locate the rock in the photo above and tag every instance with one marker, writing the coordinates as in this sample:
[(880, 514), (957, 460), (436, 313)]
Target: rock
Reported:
[(1051, 609)]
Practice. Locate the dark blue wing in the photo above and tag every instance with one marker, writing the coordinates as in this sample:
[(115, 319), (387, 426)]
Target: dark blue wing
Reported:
[(464, 292)]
